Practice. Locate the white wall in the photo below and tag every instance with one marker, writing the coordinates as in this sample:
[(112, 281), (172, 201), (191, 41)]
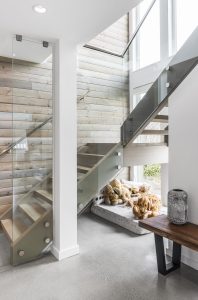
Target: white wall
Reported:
[(183, 148), (136, 154)]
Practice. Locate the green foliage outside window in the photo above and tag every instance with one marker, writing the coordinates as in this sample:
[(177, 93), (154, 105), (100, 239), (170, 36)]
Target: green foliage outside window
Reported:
[(152, 170)]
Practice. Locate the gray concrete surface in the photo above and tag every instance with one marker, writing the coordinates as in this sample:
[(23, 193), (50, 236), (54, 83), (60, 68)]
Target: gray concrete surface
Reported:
[(113, 265), (4, 251)]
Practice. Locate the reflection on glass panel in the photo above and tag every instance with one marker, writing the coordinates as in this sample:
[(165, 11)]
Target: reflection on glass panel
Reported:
[(186, 20), (137, 98)]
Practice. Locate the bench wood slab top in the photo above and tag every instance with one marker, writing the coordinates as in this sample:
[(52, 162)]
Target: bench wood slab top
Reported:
[(186, 235)]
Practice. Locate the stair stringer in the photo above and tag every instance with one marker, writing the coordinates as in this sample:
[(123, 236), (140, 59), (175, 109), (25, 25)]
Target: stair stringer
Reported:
[(92, 183), (33, 240)]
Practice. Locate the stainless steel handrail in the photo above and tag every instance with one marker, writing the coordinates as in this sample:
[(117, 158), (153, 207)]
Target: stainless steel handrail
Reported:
[(12, 145), (121, 55), (138, 28)]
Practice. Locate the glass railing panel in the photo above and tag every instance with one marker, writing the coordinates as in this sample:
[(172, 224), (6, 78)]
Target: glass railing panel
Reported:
[(154, 100), (5, 206), (144, 58), (32, 156), (109, 165)]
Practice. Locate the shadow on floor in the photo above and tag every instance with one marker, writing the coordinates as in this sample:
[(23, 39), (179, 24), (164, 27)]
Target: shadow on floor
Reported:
[(116, 228)]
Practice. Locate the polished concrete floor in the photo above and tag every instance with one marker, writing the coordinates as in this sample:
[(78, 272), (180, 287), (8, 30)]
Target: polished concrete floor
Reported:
[(113, 265), (4, 251)]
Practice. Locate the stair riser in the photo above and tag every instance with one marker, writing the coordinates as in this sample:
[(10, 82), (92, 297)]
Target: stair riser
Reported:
[(39, 196), (87, 161)]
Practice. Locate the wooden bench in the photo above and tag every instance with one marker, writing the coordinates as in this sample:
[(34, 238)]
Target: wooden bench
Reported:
[(181, 235)]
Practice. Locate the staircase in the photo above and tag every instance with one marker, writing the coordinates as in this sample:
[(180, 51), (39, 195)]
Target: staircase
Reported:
[(28, 224), (29, 230), (96, 164), (26, 161), (99, 163), (26, 164), (26, 217)]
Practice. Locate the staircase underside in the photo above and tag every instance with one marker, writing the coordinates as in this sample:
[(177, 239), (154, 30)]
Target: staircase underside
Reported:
[(99, 163), (150, 110)]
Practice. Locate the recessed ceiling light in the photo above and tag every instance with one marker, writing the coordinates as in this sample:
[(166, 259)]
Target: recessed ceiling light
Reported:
[(39, 9)]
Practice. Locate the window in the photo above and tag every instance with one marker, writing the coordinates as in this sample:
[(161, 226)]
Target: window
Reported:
[(137, 98), (186, 19), (151, 174), (147, 44), (166, 28)]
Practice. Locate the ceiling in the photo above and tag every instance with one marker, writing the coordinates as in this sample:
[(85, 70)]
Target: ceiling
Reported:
[(75, 20)]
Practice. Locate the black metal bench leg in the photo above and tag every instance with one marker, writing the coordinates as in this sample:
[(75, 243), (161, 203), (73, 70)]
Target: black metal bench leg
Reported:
[(161, 260), (176, 260)]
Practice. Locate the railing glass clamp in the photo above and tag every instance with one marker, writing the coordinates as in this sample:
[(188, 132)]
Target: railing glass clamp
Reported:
[(18, 38)]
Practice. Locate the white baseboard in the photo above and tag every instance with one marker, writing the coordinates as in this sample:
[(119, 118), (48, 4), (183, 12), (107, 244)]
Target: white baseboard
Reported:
[(65, 253), (188, 257)]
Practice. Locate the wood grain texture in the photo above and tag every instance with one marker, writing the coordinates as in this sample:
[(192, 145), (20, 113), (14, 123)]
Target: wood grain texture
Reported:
[(44, 195), (33, 210), (102, 111), (25, 102), (186, 235), (13, 229)]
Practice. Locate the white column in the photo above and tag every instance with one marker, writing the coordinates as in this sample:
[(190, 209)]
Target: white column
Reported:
[(65, 145)]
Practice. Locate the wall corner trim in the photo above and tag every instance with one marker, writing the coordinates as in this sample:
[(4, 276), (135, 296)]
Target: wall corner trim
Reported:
[(65, 253)]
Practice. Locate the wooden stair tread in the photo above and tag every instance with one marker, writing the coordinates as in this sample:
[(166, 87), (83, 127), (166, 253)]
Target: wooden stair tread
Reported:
[(33, 210), (149, 144), (44, 195), (154, 132), (83, 168), (97, 148), (80, 175), (91, 154), (13, 229), (87, 160), (4, 208), (161, 119)]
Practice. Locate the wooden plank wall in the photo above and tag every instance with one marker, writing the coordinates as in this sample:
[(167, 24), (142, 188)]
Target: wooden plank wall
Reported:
[(25, 102), (26, 90), (102, 111), (104, 108)]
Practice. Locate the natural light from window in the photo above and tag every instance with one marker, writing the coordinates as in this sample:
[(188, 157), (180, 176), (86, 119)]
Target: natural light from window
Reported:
[(186, 20), (148, 39)]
